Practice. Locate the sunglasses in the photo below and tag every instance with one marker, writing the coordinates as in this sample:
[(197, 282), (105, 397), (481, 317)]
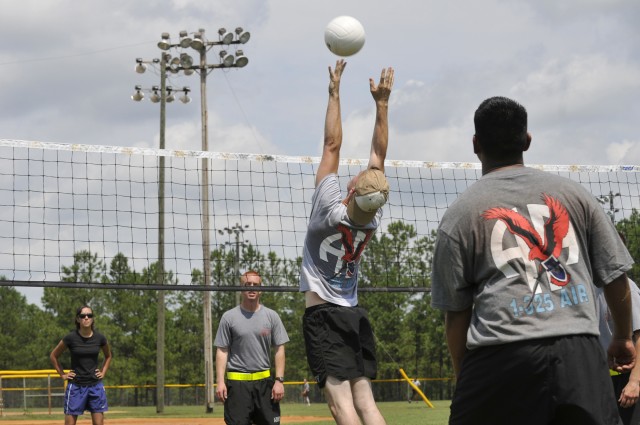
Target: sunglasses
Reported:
[(84, 316)]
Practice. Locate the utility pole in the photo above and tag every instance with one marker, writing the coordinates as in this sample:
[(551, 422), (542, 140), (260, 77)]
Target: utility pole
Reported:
[(236, 230), (160, 339), (162, 96), (603, 199), (184, 63)]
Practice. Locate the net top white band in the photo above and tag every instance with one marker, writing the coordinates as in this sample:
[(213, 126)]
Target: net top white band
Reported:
[(296, 159)]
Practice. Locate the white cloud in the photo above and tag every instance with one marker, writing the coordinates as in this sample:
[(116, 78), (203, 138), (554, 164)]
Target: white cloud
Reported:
[(222, 137), (625, 152), (581, 86)]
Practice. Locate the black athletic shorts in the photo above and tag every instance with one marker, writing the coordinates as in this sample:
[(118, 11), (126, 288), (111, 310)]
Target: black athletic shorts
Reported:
[(339, 342), (249, 402), (559, 381)]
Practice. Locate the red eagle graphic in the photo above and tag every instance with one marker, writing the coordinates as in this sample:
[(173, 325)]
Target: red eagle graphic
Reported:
[(546, 250)]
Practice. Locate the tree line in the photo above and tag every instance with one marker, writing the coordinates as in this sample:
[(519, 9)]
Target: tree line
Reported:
[(409, 333)]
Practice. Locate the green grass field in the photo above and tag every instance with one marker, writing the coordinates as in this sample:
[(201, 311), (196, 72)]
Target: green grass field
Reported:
[(416, 413), (394, 413)]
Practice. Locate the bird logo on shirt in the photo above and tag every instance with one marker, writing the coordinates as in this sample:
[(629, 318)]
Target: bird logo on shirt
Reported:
[(352, 251), (544, 248)]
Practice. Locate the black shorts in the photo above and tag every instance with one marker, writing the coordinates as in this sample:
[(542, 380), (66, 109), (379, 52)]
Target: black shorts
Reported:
[(339, 342), (560, 381), (249, 402)]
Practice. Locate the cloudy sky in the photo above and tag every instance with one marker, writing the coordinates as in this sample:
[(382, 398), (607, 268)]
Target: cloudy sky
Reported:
[(67, 74)]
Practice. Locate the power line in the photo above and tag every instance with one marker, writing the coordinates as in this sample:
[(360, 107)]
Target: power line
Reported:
[(53, 58)]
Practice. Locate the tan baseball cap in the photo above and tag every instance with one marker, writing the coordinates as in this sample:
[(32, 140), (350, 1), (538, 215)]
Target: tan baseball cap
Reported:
[(371, 193)]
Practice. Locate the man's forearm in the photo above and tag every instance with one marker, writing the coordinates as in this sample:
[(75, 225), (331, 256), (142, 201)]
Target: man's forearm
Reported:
[(380, 138), (456, 327), (618, 298), (333, 121), (280, 360)]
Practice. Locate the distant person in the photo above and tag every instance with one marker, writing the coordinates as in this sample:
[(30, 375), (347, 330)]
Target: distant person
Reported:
[(84, 390), (626, 385), (246, 334), (305, 392), (338, 337), (414, 393), (516, 263)]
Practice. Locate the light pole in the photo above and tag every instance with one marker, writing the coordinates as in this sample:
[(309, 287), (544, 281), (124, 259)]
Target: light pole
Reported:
[(609, 199), (162, 94), (236, 230), (185, 64)]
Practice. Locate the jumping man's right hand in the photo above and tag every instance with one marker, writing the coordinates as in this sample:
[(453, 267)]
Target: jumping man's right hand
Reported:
[(335, 75)]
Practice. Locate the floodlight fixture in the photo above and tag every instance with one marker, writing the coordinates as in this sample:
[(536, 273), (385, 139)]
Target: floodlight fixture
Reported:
[(186, 61), (185, 40), (225, 37), (241, 59), (226, 59), (197, 43), (141, 67), (185, 97), (170, 96), (138, 95), (155, 95), (174, 65), (243, 36), (164, 43)]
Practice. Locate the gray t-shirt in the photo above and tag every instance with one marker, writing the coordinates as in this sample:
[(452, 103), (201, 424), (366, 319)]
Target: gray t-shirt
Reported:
[(333, 246), (249, 337), (606, 321), (525, 249)]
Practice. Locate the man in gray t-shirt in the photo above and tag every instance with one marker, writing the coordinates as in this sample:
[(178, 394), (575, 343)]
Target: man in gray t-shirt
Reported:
[(517, 259), (626, 385), (338, 337), (246, 334)]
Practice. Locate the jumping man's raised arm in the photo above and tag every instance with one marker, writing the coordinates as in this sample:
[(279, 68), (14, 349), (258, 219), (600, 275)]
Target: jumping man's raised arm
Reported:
[(332, 125), (380, 139)]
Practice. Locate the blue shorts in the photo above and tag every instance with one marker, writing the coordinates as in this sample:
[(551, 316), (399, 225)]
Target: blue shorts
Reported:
[(78, 398)]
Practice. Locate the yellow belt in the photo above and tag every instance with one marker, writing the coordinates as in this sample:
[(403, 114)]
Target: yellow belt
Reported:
[(242, 376)]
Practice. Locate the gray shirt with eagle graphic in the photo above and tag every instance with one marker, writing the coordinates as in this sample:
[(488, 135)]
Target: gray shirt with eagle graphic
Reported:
[(526, 249), (333, 246)]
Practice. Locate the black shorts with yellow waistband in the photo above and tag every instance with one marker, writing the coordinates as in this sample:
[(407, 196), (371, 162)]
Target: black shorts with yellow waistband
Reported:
[(249, 399)]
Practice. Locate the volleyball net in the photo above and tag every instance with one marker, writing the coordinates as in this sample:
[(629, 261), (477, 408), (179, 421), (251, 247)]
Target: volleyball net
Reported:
[(87, 214)]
